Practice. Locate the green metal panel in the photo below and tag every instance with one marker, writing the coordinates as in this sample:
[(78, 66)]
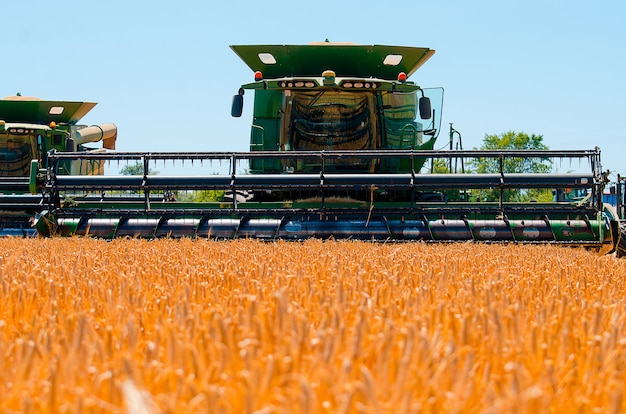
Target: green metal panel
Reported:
[(345, 59), (264, 135), (267, 104), (391, 165)]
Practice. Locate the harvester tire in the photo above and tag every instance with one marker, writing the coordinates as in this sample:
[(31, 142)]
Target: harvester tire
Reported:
[(620, 249)]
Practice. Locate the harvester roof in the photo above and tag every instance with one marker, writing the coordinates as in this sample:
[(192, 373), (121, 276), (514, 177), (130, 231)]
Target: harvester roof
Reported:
[(38, 111), (346, 60)]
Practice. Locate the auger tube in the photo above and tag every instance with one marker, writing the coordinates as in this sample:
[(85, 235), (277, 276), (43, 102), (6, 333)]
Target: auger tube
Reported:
[(105, 132)]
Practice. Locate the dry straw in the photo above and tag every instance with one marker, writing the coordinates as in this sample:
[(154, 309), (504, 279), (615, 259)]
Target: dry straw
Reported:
[(339, 327)]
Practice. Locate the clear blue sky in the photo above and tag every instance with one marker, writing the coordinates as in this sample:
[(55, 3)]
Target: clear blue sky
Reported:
[(164, 74)]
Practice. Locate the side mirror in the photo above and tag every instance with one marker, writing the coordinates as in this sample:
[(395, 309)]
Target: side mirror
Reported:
[(237, 107), (425, 109)]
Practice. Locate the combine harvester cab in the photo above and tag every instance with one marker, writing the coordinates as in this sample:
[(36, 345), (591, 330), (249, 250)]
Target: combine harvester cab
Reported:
[(30, 128), (339, 147)]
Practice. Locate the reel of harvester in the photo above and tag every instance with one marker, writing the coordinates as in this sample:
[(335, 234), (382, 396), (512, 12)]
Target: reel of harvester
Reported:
[(321, 200)]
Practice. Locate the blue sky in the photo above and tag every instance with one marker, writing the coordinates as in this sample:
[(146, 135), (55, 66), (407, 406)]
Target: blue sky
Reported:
[(163, 72)]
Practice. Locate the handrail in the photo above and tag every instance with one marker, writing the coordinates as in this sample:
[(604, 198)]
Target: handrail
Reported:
[(592, 155)]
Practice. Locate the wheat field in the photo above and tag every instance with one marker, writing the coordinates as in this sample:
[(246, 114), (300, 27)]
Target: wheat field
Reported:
[(198, 326)]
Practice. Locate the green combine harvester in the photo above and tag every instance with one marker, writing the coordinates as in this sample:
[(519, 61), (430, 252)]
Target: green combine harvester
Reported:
[(339, 148), (29, 129)]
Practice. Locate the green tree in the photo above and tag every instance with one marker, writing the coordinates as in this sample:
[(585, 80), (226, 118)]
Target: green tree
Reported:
[(186, 196), (202, 196), (136, 169), (442, 166), (514, 141), (439, 166)]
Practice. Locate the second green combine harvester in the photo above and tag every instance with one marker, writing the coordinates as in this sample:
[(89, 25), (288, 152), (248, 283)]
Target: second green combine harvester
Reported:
[(30, 128), (339, 139)]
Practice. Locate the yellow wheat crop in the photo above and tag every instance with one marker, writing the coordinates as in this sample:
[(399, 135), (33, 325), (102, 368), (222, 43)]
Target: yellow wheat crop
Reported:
[(183, 326)]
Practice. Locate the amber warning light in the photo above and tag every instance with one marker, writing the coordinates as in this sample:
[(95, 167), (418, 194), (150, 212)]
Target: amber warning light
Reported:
[(258, 75), (401, 77)]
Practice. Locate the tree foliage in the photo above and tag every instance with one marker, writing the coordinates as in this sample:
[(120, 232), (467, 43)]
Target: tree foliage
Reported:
[(439, 166), (201, 196), (186, 196), (442, 166), (513, 141), (135, 169)]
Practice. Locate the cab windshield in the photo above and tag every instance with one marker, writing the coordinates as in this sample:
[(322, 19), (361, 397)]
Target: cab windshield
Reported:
[(16, 153), (330, 120)]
